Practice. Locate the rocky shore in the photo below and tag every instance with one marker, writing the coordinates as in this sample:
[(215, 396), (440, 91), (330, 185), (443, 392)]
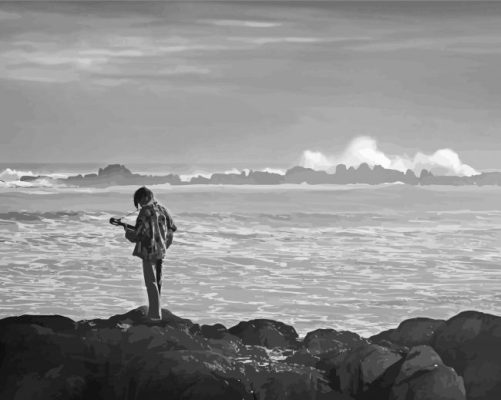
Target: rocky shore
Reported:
[(128, 357)]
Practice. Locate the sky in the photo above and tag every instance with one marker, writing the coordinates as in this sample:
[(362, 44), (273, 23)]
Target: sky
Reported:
[(250, 84)]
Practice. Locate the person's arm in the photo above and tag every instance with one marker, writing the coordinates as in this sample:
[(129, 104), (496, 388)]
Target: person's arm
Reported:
[(170, 222), (135, 235)]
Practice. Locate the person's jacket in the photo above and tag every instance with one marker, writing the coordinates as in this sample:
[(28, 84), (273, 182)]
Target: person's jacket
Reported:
[(154, 232)]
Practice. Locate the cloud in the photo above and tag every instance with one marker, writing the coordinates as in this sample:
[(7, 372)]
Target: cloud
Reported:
[(102, 58), (243, 23), (458, 44), (4, 16), (365, 150), (272, 40), (296, 39)]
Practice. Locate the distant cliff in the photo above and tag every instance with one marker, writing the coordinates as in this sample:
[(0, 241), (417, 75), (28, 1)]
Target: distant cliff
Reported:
[(117, 174)]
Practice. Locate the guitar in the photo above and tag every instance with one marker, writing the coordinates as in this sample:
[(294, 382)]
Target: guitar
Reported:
[(118, 222)]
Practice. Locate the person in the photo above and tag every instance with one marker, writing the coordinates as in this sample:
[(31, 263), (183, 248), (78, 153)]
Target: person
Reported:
[(152, 235)]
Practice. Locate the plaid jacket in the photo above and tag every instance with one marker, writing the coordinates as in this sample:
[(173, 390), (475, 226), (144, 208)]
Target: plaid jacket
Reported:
[(154, 232)]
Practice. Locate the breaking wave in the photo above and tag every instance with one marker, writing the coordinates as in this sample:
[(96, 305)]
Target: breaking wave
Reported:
[(365, 150), (13, 175)]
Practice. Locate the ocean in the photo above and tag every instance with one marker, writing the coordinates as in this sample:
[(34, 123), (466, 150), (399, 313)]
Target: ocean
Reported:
[(351, 257)]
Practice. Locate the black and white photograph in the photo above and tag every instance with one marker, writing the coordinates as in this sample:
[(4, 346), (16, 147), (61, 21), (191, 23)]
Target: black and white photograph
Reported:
[(250, 200)]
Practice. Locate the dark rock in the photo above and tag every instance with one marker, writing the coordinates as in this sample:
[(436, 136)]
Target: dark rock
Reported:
[(182, 374), (419, 359), (365, 372), (424, 376), (141, 338), (410, 333), (127, 356), (303, 357), (56, 383), (267, 333), (105, 345), (398, 348), (136, 317), (57, 323), (216, 331), (470, 342), (442, 383), (296, 384), (28, 351), (323, 341)]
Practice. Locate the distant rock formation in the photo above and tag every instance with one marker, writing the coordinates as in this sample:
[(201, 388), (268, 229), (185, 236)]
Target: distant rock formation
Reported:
[(117, 174), (129, 357)]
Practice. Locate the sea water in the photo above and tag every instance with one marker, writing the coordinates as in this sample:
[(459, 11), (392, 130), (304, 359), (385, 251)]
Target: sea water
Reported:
[(354, 257)]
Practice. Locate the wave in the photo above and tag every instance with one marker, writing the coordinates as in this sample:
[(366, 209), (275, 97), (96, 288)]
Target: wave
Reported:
[(52, 215), (9, 174), (11, 178), (39, 183), (14, 175), (365, 149)]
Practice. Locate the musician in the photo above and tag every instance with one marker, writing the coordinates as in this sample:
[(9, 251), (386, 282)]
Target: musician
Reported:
[(153, 235)]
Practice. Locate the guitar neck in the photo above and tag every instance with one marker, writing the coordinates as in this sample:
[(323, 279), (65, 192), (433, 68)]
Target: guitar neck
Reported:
[(117, 222)]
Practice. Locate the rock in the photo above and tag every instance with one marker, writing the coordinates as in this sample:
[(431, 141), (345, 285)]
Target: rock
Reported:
[(303, 357), (105, 345), (410, 333), (139, 316), (423, 376), (141, 338), (419, 359), (182, 374), (127, 356), (299, 384), (470, 342), (57, 323), (329, 340), (267, 333), (367, 371), (223, 342), (29, 351), (56, 383), (216, 331), (114, 169)]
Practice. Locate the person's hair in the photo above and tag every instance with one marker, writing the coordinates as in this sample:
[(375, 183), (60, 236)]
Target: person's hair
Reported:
[(140, 193)]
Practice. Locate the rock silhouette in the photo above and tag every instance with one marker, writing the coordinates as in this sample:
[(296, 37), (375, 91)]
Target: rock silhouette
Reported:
[(129, 357), (411, 332), (423, 369), (470, 342), (116, 174), (267, 333)]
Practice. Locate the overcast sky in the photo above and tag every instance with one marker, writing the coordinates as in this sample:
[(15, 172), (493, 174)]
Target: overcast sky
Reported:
[(247, 83)]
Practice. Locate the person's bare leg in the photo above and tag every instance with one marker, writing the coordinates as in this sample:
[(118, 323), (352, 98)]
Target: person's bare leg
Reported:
[(158, 266), (154, 310)]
